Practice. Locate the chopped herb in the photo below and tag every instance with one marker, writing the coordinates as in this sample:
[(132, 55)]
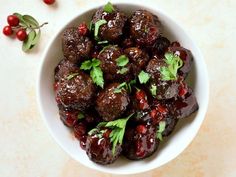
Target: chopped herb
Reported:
[(174, 63), (118, 129), (70, 76), (95, 71), (122, 86), (80, 116), (91, 26), (97, 26), (153, 90), (122, 71), (131, 83), (102, 42), (108, 8), (92, 131), (122, 60), (143, 77), (162, 125)]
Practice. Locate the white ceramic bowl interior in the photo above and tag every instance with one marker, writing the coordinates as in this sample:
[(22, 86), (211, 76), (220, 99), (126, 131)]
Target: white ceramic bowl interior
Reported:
[(185, 131)]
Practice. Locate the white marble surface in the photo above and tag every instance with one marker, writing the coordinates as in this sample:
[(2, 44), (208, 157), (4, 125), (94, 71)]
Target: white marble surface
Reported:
[(28, 150)]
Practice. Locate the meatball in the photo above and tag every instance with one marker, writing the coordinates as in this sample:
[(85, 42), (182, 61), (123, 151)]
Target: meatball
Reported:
[(185, 105), (108, 57), (76, 48), (160, 46), (110, 104), (171, 122), (186, 57), (138, 59), (76, 92), (99, 149), (140, 141), (144, 27), (64, 68), (165, 89), (113, 29)]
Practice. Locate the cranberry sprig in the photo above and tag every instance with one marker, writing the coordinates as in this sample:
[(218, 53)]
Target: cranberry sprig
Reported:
[(26, 27)]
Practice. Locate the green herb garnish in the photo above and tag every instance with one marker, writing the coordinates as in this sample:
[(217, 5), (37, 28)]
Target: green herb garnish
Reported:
[(153, 90), (97, 26), (118, 129), (162, 125), (102, 42), (122, 60), (80, 116), (95, 71), (174, 63), (143, 77), (122, 70), (122, 86), (70, 76), (108, 8)]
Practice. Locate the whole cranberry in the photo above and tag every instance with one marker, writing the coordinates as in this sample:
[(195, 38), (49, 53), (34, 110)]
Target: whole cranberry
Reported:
[(13, 20), (7, 30), (21, 34), (83, 29), (49, 2)]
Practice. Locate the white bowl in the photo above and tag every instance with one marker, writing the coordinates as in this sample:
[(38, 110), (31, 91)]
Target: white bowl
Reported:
[(186, 130)]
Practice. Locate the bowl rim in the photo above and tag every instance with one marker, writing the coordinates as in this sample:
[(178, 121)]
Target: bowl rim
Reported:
[(42, 62)]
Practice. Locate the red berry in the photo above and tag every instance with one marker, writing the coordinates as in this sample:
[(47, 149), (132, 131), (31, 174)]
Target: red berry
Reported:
[(141, 129), (21, 34), (140, 95), (153, 113), (49, 2), (7, 30), (13, 20), (183, 90), (162, 109), (83, 29)]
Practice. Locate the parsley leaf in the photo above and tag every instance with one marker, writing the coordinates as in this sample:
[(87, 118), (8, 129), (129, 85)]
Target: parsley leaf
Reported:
[(122, 60), (108, 8), (102, 42), (122, 86), (122, 71), (174, 63), (97, 26), (97, 76), (162, 125), (80, 116), (95, 71), (143, 77), (70, 76), (86, 65), (118, 130), (153, 90)]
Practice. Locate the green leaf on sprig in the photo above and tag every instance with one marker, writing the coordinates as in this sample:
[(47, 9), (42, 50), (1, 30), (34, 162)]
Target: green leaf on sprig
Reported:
[(143, 77), (71, 76), (95, 71), (122, 60), (29, 41), (153, 90), (108, 8), (162, 125), (80, 116), (97, 26), (174, 62), (118, 130), (31, 22), (122, 71)]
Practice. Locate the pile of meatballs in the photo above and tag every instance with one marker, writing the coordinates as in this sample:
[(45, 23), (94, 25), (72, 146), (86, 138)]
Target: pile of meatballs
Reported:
[(83, 104)]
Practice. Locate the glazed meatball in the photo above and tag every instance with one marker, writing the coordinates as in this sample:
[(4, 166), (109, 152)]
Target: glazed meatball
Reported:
[(77, 92), (76, 48), (165, 89), (108, 57), (138, 59), (144, 27), (111, 105), (171, 122), (140, 141), (99, 149), (113, 29), (64, 68), (186, 57)]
